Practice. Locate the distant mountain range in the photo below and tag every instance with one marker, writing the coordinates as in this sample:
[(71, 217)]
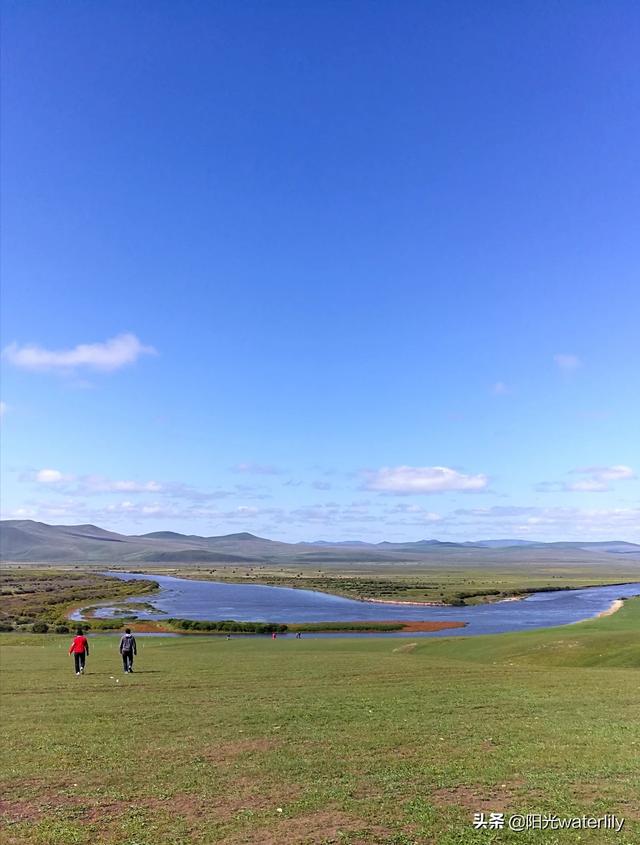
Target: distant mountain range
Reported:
[(29, 541)]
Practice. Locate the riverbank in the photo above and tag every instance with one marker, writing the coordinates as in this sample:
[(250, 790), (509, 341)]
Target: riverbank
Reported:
[(615, 606), (434, 586)]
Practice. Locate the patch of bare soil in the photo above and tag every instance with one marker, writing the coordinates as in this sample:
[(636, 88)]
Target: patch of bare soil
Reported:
[(19, 811), (479, 797), (227, 752), (590, 793), (322, 828), (244, 795)]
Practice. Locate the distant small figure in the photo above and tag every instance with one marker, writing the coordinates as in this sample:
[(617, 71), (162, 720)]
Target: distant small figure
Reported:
[(228, 637), (80, 650), (299, 635), (274, 636), (127, 650)]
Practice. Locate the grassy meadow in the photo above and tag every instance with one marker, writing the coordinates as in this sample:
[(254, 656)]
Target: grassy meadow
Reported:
[(320, 741)]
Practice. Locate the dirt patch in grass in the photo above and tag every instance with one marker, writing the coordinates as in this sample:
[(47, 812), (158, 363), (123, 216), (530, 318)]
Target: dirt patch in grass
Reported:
[(322, 828), (244, 794), (19, 811), (191, 808), (589, 794), (249, 795), (478, 797), (227, 752)]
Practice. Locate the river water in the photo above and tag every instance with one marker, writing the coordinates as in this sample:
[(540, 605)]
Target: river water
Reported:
[(185, 598)]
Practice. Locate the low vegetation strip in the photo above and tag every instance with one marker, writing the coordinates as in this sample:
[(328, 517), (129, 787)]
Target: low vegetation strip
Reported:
[(226, 626), (232, 626), (45, 597)]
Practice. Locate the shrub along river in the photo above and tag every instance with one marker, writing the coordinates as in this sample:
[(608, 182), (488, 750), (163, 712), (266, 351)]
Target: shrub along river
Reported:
[(184, 598)]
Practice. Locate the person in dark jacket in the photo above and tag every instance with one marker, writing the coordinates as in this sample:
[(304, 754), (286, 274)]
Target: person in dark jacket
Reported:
[(80, 649), (127, 650)]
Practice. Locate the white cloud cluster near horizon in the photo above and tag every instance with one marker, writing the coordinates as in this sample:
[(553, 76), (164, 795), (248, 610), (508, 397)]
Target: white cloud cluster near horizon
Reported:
[(405, 480), (62, 497), (552, 523), (71, 484), (112, 354), (355, 520), (96, 483), (597, 480)]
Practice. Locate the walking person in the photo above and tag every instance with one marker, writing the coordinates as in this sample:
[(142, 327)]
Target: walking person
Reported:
[(127, 650), (80, 650)]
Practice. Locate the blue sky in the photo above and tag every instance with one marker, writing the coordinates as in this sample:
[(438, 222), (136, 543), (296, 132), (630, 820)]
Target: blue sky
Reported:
[(323, 270)]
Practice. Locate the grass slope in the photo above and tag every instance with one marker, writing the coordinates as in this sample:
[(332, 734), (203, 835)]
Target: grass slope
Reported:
[(322, 741)]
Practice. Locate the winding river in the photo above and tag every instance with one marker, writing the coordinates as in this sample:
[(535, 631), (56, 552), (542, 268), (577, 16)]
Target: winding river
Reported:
[(185, 598)]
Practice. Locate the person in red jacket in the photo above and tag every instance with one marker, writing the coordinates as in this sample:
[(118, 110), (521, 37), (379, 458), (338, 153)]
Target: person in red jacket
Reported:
[(80, 649)]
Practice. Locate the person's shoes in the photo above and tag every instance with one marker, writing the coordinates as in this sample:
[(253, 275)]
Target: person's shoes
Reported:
[(77, 673), (82, 671)]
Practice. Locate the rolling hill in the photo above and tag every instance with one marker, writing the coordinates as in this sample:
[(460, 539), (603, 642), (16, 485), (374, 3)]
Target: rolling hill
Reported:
[(29, 541)]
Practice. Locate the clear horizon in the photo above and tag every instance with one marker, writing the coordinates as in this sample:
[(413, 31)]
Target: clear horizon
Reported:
[(318, 271)]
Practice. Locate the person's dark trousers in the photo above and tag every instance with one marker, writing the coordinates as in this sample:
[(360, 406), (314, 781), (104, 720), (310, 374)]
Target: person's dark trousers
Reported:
[(79, 661), (127, 661)]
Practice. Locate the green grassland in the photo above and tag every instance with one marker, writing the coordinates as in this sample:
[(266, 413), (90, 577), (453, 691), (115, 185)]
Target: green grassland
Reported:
[(463, 583), (395, 741)]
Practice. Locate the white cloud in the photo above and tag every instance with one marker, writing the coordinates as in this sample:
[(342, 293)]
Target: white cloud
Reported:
[(404, 480), (550, 523), (410, 514), (90, 485), (599, 477), (3, 409), (597, 480), (567, 363), (49, 476), (104, 485), (587, 485), (111, 355), (619, 472)]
